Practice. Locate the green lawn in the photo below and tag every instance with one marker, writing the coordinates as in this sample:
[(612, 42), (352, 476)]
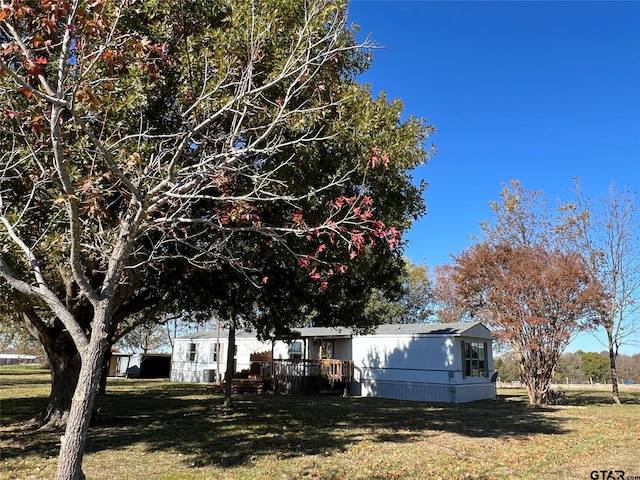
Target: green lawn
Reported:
[(161, 430)]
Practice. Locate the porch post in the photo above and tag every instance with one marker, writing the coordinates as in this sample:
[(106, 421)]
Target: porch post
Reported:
[(273, 365)]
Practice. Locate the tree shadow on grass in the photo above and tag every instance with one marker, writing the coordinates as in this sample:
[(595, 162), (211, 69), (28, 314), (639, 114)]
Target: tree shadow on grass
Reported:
[(15, 411), (187, 419), (288, 426), (19, 440), (585, 397)]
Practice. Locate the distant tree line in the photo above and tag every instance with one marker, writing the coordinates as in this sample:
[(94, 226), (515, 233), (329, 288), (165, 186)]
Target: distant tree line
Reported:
[(577, 368)]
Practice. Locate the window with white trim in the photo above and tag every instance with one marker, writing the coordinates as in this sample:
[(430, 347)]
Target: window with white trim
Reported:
[(192, 352)]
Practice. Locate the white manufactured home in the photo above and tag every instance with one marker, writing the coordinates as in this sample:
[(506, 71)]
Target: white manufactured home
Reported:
[(426, 362), (202, 357), (429, 362), (14, 357)]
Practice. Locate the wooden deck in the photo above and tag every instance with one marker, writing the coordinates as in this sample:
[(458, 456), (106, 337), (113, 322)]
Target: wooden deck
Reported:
[(310, 376), (293, 376)]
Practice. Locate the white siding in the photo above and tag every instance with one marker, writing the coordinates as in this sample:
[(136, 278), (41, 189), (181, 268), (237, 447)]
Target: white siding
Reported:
[(416, 367), (17, 358), (428, 392), (404, 390), (408, 358), (476, 391), (412, 366), (202, 369)]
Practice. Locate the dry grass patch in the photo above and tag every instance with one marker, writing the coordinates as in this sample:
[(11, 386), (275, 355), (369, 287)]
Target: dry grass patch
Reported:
[(161, 430)]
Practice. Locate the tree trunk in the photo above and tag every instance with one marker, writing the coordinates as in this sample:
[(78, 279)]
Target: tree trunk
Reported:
[(104, 373), (537, 386), (75, 436), (65, 371), (537, 393), (64, 364), (613, 355), (231, 353), (74, 440)]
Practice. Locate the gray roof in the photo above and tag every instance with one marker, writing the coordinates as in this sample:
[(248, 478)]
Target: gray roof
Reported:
[(394, 329), (455, 329), (333, 332), (428, 328), (224, 333)]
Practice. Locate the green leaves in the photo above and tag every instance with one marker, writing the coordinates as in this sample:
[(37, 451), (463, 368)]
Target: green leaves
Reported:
[(217, 126)]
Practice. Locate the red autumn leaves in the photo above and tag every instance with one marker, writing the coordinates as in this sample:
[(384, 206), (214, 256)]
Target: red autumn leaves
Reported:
[(365, 231)]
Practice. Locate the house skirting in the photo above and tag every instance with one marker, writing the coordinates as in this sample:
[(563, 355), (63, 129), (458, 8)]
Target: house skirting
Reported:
[(192, 375), (424, 392)]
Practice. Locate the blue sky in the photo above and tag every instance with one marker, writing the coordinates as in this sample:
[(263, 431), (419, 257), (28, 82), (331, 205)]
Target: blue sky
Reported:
[(537, 91)]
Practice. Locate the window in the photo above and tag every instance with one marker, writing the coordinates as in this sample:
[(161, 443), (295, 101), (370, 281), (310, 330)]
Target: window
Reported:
[(216, 350), (327, 349), (192, 352), (295, 350), (475, 359)]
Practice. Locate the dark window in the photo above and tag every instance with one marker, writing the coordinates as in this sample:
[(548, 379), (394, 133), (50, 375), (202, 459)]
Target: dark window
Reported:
[(475, 359), (192, 352), (216, 350), (295, 350)]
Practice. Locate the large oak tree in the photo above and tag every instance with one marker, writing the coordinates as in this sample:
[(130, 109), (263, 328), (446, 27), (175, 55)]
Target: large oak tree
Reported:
[(139, 140)]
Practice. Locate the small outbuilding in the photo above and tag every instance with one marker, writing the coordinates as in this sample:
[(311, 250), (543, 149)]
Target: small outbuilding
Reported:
[(155, 365), (118, 363)]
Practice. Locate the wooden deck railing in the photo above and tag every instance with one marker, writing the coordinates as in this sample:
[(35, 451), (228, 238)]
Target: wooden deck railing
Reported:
[(296, 376), (337, 370)]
